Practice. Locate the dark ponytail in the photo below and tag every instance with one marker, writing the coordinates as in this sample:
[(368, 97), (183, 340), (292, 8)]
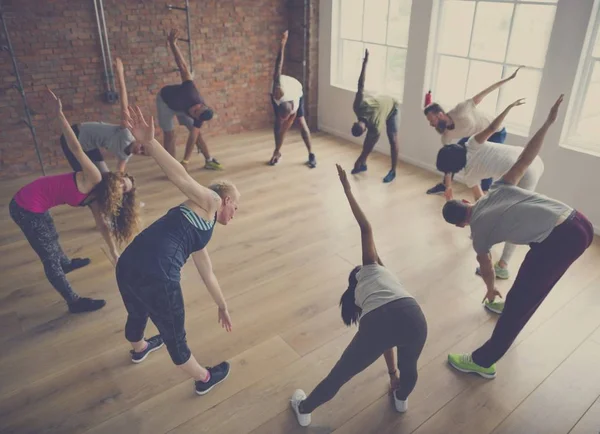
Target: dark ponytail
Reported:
[(350, 311)]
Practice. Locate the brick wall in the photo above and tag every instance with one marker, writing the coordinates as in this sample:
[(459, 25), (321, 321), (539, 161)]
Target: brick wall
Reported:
[(57, 44)]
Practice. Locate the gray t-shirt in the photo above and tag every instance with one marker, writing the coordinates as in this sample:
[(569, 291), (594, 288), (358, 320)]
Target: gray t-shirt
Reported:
[(512, 214), (114, 138), (377, 286)]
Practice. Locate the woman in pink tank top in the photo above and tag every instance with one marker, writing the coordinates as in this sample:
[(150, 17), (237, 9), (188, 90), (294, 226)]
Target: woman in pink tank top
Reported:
[(113, 192)]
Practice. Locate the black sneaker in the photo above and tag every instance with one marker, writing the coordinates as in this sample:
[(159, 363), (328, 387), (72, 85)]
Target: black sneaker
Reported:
[(83, 304), (356, 170), (217, 375), (438, 189), (390, 176), (75, 264), (312, 161), (154, 343)]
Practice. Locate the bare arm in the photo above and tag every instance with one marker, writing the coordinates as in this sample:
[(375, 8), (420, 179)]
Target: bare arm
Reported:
[(390, 360), (479, 97), (532, 149), (477, 192), (277, 91), (369, 252), (482, 136), (184, 71), (121, 166), (104, 230), (204, 266), (122, 91), (486, 269), (91, 174), (361, 81)]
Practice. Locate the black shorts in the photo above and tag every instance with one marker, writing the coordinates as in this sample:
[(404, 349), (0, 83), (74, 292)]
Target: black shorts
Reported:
[(392, 122), (299, 112), (94, 154)]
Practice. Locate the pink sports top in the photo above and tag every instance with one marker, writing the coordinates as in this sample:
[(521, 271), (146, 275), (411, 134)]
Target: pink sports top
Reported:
[(49, 191)]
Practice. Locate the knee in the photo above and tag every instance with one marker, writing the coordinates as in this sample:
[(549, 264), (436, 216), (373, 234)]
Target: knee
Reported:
[(178, 350)]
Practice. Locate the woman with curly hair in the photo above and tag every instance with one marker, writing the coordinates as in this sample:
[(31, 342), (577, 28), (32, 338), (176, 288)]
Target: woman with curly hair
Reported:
[(29, 208), (117, 140)]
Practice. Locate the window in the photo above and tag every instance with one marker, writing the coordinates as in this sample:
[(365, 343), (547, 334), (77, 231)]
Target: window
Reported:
[(479, 42), (584, 113), (381, 26)]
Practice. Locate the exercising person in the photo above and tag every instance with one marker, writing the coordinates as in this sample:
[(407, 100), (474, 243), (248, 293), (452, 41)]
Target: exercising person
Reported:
[(480, 159), (462, 122), (556, 233), (389, 318), (184, 102), (149, 270), (30, 207), (287, 100), (116, 139), (374, 113)]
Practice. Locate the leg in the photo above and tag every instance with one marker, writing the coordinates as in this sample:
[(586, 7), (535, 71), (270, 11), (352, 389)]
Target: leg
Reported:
[(280, 129), (203, 147), (392, 133), (543, 266), (305, 132), (360, 354), (169, 142), (165, 122), (368, 146)]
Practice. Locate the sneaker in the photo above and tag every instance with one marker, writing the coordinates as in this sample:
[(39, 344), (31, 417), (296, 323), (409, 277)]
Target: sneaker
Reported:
[(438, 189), (154, 343), (401, 405), (356, 170), (83, 304), (217, 375), (312, 161), (75, 264), (464, 363), (274, 160), (494, 306), (185, 164), (297, 398), (390, 176), (213, 164), (501, 273)]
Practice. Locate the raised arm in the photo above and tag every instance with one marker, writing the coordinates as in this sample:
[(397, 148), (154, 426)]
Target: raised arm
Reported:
[(485, 92), (204, 267), (143, 132), (369, 252), (361, 81), (122, 91), (91, 174), (184, 70), (277, 91), (482, 136), (532, 149)]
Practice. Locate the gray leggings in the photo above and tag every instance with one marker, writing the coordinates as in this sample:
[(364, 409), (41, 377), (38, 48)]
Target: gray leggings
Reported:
[(399, 324), (41, 233)]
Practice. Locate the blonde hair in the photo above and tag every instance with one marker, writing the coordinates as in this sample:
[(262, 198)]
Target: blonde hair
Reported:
[(224, 188)]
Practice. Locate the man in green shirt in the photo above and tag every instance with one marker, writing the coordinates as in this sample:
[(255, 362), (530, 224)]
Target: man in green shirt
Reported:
[(374, 113)]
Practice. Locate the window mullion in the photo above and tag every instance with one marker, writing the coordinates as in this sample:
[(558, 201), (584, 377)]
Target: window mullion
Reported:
[(510, 29)]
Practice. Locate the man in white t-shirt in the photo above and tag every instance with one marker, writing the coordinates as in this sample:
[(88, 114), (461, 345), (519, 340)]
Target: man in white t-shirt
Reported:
[(482, 159), (288, 104), (463, 121)]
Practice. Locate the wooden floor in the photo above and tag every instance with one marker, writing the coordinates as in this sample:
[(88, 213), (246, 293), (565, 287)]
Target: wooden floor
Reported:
[(283, 263)]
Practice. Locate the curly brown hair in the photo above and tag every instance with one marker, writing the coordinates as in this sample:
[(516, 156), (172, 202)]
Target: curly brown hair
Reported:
[(121, 209)]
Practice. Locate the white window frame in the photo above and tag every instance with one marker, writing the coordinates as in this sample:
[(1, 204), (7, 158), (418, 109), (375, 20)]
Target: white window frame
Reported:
[(570, 140), (337, 50), (515, 128)]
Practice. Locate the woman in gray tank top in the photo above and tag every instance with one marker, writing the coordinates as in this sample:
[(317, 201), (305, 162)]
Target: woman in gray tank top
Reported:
[(388, 317)]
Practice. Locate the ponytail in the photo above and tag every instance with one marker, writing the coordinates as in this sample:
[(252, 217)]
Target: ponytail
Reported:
[(350, 311)]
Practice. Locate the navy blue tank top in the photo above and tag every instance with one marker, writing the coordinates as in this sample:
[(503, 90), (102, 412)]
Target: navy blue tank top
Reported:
[(164, 247)]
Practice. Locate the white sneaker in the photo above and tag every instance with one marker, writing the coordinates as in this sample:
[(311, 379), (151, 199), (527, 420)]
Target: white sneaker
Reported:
[(297, 398), (401, 406)]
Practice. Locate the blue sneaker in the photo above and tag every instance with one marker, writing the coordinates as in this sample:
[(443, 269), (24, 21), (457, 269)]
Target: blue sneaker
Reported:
[(390, 176), (154, 343), (438, 189), (356, 170), (218, 374)]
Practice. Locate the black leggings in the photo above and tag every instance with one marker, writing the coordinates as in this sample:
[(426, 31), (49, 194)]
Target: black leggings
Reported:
[(399, 324), (94, 155), (41, 233)]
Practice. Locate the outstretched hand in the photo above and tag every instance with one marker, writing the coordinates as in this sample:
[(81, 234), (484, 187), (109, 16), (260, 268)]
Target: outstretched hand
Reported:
[(491, 295), (52, 103), (554, 110), (518, 102), (343, 177), (366, 54), (224, 319), (173, 36), (141, 130), (514, 74), (284, 37), (119, 64)]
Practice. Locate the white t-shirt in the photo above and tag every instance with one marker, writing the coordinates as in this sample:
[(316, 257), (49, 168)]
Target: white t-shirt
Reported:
[(292, 91), (468, 120), (493, 160), (113, 138), (377, 286)]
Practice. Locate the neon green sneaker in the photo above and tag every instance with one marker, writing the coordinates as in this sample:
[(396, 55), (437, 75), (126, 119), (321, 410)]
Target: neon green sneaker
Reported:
[(494, 306), (501, 273), (464, 363), (213, 165)]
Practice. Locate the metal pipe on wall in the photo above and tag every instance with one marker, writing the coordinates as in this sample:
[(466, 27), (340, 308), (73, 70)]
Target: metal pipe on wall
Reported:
[(101, 39), (19, 87), (109, 60), (186, 9)]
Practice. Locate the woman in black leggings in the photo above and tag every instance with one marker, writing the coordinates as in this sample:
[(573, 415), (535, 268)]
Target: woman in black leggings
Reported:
[(389, 317)]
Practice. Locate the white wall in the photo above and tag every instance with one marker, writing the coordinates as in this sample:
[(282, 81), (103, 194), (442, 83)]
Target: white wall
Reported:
[(570, 176)]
